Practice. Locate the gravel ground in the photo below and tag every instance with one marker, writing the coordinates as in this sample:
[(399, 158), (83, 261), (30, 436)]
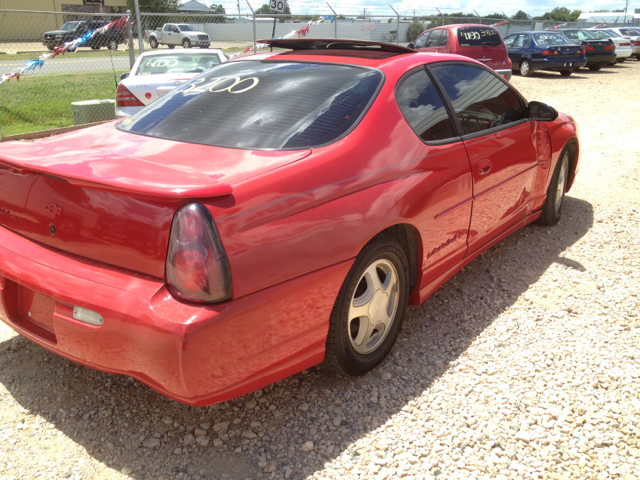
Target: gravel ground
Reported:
[(525, 365)]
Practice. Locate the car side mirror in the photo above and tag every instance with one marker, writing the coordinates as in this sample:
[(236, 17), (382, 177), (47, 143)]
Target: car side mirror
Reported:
[(411, 45), (542, 112), (124, 75)]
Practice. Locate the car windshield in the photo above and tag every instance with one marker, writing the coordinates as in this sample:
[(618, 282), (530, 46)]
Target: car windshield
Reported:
[(186, 28), (604, 33), (69, 26), (579, 35), (478, 36), (630, 32), (545, 39), (262, 105), (177, 63)]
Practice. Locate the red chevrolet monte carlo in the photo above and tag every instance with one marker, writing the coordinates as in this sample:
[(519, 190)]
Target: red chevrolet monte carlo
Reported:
[(273, 213)]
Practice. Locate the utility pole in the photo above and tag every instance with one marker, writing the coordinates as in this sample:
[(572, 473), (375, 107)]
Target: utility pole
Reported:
[(238, 7), (625, 11)]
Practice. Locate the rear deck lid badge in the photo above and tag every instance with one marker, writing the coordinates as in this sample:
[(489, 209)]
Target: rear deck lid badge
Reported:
[(53, 209)]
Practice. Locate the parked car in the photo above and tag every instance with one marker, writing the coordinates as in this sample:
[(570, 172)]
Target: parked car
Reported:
[(72, 30), (481, 42), (173, 34), (623, 44), (156, 73), (633, 34), (531, 51), (272, 213), (599, 51)]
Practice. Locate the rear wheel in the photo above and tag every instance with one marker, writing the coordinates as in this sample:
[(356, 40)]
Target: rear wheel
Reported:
[(552, 208), (370, 308), (525, 68), (113, 45), (95, 48), (153, 42), (620, 60), (186, 43), (171, 47), (595, 68), (566, 73)]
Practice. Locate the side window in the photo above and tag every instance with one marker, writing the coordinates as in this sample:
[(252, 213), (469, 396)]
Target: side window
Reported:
[(508, 42), (526, 41), (167, 28), (480, 99), (442, 41), (519, 42), (422, 40), (423, 108), (434, 38)]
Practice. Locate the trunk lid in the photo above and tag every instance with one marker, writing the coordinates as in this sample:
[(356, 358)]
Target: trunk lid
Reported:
[(110, 196), (148, 88)]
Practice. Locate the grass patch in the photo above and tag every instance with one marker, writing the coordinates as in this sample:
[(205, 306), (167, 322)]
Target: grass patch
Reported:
[(44, 101)]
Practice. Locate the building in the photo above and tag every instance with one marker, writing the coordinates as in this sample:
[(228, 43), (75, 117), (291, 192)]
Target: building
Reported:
[(612, 19)]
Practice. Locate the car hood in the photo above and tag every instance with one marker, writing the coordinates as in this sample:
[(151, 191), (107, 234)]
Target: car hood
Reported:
[(59, 32), (104, 158)]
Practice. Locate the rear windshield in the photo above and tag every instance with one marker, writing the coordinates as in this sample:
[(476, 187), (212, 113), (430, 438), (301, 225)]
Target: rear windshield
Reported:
[(192, 63), (630, 32), (604, 33), (478, 36), (262, 105), (545, 39), (579, 35)]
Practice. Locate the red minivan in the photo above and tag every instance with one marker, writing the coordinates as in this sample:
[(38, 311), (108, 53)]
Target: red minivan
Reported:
[(480, 42)]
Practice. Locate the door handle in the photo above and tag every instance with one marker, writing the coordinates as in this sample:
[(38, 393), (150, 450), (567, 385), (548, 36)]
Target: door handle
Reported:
[(484, 167)]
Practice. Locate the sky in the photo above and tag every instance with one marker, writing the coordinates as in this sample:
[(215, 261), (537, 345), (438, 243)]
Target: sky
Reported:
[(406, 7)]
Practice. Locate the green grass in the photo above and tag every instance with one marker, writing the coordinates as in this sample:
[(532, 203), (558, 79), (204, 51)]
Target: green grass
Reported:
[(44, 101)]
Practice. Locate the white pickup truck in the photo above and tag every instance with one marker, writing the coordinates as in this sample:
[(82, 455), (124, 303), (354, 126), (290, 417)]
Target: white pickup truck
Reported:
[(173, 34)]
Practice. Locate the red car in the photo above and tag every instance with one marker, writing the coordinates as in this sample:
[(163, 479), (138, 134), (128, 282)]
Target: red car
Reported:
[(481, 42), (273, 213)]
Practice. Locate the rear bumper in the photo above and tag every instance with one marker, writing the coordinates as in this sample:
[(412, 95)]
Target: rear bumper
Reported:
[(505, 73), (193, 354), (602, 59), (126, 111), (558, 64), (624, 52)]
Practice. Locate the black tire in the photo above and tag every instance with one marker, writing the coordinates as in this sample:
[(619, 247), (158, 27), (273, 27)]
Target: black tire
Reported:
[(95, 48), (113, 45), (171, 47), (186, 43), (620, 60), (343, 355), (153, 42), (552, 208), (566, 73), (525, 68), (595, 68), (638, 57)]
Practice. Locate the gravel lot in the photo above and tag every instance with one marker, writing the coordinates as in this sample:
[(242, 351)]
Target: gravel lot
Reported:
[(525, 365)]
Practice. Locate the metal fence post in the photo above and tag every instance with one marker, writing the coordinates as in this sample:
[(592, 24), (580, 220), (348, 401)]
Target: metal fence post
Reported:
[(254, 26), (397, 24), (140, 38), (132, 55), (335, 21)]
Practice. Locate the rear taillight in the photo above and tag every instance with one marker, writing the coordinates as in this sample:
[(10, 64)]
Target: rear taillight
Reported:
[(581, 51), (588, 48), (197, 266), (636, 42), (610, 47), (510, 62), (625, 44), (550, 52), (124, 98)]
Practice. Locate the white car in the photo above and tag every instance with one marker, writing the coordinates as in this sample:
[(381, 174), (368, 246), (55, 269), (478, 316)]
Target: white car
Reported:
[(156, 73), (623, 44), (633, 33)]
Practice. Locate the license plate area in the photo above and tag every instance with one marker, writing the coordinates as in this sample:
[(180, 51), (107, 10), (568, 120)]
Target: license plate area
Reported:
[(30, 310)]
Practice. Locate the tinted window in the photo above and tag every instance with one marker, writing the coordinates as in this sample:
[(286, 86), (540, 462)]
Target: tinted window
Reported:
[(423, 108), (433, 39), (261, 105), (422, 40), (441, 41), (478, 36), (509, 41), (480, 99), (546, 39), (629, 32)]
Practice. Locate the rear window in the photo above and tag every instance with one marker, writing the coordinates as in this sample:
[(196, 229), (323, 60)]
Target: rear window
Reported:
[(545, 39), (192, 63), (630, 32), (262, 105), (478, 36)]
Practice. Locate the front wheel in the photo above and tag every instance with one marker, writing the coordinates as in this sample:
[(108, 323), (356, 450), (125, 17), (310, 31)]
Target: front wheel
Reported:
[(525, 68), (153, 42), (186, 43), (370, 308), (171, 47), (552, 208)]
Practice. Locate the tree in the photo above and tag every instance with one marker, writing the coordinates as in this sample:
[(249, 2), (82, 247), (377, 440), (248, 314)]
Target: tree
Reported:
[(501, 16), (561, 14), (218, 10), (415, 29), (521, 16), (154, 6)]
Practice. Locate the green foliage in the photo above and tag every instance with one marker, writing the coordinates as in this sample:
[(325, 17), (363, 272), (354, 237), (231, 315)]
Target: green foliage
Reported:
[(521, 16), (561, 14), (218, 10), (154, 6), (415, 29)]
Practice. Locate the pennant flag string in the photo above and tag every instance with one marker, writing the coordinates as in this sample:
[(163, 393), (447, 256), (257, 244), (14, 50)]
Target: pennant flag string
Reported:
[(302, 32), (62, 49), (504, 22)]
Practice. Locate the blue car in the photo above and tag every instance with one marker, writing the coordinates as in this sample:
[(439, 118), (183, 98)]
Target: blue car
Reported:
[(546, 50)]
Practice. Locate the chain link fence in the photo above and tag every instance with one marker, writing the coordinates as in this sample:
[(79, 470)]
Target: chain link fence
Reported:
[(60, 90)]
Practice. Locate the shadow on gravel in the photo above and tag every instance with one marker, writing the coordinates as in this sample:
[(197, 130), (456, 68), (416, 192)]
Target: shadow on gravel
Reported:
[(122, 423)]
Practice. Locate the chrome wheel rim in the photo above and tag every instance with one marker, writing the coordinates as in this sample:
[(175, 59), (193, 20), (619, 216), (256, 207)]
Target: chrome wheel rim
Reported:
[(562, 181), (524, 68), (373, 306)]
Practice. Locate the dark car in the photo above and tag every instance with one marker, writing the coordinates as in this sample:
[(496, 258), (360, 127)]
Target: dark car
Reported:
[(599, 51), (72, 30), (531, 51), (480, 42)]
